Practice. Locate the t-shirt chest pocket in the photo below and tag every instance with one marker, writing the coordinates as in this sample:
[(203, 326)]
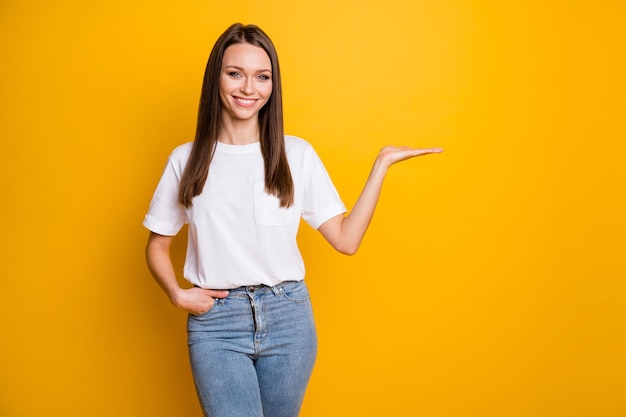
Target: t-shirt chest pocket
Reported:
[(267, 210)]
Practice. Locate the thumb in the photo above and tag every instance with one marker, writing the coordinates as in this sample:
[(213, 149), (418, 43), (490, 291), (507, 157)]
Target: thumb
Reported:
[(217, 293)]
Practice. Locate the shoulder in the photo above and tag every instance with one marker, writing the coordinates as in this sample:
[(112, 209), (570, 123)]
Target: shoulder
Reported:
[(301, 155), (296, 145), (180, 155), (181, 152)]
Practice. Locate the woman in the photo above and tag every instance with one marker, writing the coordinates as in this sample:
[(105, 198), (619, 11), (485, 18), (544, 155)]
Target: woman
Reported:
[(242, 187)]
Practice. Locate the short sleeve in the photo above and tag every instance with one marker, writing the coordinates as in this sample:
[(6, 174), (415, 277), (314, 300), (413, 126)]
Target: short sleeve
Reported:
[(166, 216), (321, 200)]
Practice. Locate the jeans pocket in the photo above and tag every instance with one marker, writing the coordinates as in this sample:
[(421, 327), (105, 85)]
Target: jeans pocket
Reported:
[(206, 315), (296, 292)]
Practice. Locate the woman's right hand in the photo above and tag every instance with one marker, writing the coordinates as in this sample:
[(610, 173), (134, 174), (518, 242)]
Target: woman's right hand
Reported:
[(193, 300), (197, 300)]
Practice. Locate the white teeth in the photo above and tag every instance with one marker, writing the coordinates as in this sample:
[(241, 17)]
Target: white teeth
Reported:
[(244, 101)]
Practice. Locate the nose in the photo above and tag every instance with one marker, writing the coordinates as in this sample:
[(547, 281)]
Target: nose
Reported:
[(246, 86)]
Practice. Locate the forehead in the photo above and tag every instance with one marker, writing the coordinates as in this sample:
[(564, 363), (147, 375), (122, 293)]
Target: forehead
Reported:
[(245, 55)]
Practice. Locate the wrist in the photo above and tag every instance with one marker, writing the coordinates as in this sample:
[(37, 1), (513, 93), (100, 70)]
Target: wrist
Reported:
[(175, 295), (380, 167)]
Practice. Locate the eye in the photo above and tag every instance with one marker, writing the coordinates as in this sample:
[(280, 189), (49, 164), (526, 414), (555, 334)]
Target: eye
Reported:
[(234, 74), (264, 77)]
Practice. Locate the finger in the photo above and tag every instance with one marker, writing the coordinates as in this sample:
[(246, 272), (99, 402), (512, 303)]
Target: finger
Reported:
[(426, 151), (201, 309), (217, 293)]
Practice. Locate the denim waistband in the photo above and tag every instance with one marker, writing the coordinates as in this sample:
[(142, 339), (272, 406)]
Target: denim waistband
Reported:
[(261, 288)]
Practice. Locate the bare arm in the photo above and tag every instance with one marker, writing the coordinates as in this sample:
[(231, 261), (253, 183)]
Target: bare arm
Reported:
[(193, 300), (345, 233)]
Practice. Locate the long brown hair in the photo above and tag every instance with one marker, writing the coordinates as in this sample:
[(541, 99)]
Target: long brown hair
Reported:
[(278, 180)]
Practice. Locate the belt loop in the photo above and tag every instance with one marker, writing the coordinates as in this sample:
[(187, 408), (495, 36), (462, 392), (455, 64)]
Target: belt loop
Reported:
[(275, 289)]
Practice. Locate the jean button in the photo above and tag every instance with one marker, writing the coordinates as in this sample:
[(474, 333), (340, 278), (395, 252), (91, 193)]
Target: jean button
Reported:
[(251, 289)]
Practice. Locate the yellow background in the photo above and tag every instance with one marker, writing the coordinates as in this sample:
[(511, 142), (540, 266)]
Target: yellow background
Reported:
[(491, 282)]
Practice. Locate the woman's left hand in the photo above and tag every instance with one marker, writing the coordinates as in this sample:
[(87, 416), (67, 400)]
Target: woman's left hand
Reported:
[(390, 155), (345, 233)]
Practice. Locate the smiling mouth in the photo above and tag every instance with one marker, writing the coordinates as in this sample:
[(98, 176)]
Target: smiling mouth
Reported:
[(244, 102)]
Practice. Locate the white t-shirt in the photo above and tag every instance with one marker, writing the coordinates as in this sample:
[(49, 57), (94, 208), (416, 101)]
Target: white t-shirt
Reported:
[(238, 234)]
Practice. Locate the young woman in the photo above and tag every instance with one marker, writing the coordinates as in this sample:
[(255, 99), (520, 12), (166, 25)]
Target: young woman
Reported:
[(242, 187)]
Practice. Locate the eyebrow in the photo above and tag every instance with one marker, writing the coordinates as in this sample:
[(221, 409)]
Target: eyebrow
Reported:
[(243, 69)]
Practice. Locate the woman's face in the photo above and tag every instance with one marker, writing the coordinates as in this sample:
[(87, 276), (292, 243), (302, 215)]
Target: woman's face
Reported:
[(245, 81)]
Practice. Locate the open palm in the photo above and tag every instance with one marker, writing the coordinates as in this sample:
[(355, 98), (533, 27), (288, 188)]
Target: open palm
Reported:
[(390, 155)]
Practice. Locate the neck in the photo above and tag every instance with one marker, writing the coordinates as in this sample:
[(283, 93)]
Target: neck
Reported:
[(239, 132)]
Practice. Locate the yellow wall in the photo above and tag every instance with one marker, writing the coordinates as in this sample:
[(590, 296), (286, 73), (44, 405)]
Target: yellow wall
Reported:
[(492, 279)]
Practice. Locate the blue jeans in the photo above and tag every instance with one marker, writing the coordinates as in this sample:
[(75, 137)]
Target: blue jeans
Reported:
[(252, 354)]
